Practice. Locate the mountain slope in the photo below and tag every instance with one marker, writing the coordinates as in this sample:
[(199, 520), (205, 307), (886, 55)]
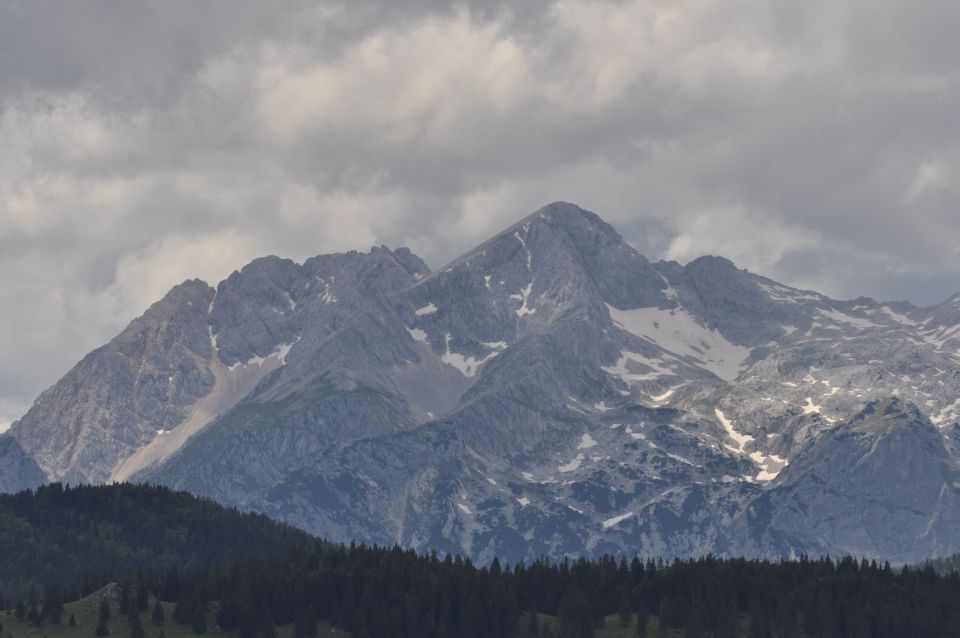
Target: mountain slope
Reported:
[(883, 480), (549, 392)]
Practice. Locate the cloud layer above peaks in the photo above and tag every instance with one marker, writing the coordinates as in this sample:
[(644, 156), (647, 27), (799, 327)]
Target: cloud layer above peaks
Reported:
[(144, 143)]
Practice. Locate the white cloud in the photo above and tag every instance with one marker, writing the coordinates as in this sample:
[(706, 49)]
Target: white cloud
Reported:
[(935, 176), (799, 139), (723, 232)]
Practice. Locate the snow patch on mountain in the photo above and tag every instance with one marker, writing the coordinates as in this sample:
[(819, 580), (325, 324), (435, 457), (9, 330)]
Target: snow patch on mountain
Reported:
[(418, 335), (678, 333), (841, 317), (280, 354), (572, 465), (770, 464), (623, 370), (467, 365), (523, 296), (526, 248), (610, 522)]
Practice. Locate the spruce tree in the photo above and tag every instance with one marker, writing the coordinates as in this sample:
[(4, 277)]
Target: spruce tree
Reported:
[(199, 621), (157, 617), (576, 615), (136, 627), (142, 595), (305, 624), (73, 621), (33, 616), (103, 618), (623, 607), (228, 614), (643, 619), (125, 597), (694, 626), (52, 605), (170, 591)]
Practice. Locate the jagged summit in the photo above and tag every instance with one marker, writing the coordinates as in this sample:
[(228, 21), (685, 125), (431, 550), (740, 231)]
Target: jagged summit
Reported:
[(549, 392), (561, 254), (562, 216)]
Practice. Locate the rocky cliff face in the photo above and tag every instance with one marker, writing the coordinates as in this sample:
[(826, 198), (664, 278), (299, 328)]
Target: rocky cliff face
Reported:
[(883, 480), (550, 392), (119, 397), (17, 470)]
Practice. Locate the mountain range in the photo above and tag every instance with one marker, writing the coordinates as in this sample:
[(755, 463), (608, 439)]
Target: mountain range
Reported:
[(551, 392)]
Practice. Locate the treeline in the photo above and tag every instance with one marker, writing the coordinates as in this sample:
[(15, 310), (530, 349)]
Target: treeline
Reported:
[(378, 592), (944, 565), (79, 538)]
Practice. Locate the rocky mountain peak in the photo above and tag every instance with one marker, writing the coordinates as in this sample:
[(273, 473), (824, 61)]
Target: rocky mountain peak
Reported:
[(549, 392)]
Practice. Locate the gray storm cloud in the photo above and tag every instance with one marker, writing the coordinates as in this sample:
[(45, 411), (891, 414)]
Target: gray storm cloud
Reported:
[(145, 143)]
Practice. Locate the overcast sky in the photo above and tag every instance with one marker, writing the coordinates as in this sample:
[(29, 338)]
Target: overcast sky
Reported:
[(143, 143)]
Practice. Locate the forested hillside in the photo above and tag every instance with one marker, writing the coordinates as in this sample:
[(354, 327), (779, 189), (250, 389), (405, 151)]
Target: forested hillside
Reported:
[(79, 538), (944, 565), (218, 571)]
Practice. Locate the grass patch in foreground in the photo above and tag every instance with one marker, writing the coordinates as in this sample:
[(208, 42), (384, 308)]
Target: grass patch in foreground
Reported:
[(86, 611)]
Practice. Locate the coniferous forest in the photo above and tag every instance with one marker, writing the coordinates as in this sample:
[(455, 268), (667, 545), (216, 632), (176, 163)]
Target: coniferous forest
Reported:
[(216, 569)]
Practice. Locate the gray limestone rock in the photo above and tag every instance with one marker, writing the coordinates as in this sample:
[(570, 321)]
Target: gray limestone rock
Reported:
[(17, 470), (549, 392)]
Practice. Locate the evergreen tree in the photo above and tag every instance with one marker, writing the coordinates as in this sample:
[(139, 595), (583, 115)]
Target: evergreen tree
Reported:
[(305, 625), (21, 610), (643, 619), (72, 621), (170, 591), (760, 625), (576, 616), (694, 625), (33, 616), (136, 626), (103, 618), (533, 627), (199, 621), (141, 595), (125, 597), (623, 606), (228, 614), (52, 605), (157, 616)]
